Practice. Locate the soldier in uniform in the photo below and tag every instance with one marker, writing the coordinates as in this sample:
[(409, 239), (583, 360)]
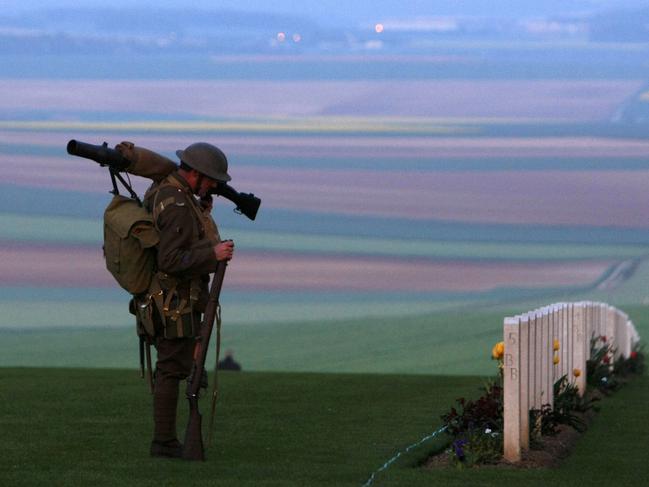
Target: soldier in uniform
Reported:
[(188, 251)]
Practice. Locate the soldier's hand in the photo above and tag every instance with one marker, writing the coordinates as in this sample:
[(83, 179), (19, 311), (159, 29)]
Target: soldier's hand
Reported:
[(127, 150), (224, 250), (206, 202)]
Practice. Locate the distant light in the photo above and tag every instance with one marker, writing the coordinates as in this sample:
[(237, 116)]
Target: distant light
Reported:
[(297, 37), (373, 45), (281, 36), (378, 28)]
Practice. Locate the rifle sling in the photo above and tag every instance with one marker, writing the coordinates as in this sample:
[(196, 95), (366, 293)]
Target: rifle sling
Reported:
[(215, 386)]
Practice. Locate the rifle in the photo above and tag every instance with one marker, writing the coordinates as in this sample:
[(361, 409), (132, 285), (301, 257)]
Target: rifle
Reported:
[(246, 203), (193, 448), (104, 156), (155, 167)]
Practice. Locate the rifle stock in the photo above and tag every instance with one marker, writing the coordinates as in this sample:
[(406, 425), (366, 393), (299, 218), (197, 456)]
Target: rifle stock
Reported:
[(193, 448)]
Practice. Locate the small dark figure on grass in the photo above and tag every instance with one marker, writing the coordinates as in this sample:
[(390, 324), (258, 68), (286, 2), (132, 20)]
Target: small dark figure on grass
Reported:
[(228, 363)]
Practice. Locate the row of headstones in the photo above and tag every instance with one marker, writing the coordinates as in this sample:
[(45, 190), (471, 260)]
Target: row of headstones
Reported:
[(542, 346)]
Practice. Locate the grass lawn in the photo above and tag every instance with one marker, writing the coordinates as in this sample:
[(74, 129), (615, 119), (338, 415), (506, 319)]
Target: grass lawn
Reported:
[(92, 427), (445, 343), (428, 344)]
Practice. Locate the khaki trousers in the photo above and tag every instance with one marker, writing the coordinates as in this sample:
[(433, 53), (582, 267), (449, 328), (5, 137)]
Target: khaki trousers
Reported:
[(174, 364)]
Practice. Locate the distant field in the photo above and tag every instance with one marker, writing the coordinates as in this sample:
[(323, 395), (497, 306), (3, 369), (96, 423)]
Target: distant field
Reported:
[(38, 233), (569, 100), (606, 198), (78, 267), (550, 197), (387, 207), (409, 205), (351, 143), (388, 229), (396, 334), (441, 60)]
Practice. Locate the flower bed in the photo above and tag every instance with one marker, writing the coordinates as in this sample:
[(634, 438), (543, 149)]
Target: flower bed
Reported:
[(475, 427)]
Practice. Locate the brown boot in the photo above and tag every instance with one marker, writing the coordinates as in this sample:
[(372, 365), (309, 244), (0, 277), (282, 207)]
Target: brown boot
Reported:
[(169, 449), (165, 404)]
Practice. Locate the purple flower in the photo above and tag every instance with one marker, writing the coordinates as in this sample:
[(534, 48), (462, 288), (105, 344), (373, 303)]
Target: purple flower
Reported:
[(458, 448)]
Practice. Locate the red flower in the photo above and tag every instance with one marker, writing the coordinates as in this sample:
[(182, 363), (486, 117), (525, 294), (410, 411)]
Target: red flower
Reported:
[(606, 359), (634, 355), (603, 338)]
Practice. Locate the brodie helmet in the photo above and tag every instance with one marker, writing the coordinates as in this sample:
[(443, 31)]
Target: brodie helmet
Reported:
[(206, 159)]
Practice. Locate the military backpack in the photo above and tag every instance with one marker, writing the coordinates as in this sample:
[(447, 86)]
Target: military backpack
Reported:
[(129, 240)]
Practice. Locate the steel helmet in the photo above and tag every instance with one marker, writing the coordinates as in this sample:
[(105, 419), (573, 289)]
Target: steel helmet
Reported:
[(206, 159)]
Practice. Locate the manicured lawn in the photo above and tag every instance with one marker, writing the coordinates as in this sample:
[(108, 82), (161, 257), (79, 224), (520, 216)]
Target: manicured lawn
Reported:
[(612, 452), (81, 427), (92, 427), (439, 343), (446, 343)]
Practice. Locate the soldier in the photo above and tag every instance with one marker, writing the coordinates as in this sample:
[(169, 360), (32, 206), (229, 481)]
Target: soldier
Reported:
[(188, 251)]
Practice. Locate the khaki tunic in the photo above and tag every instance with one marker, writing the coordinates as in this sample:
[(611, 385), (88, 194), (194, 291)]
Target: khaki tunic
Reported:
[(185, 254)]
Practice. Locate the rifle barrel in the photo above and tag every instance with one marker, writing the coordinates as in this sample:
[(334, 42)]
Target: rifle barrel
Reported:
[(101, 154)]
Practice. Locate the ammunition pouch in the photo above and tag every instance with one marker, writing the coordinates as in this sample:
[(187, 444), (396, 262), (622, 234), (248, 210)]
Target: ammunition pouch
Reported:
[(165, 310), (177, 312), (147, 309), (143, 311)]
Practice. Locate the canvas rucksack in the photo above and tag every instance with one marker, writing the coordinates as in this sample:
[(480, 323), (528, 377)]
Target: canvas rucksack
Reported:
[(129, 240), (130, 237), (129, 232)]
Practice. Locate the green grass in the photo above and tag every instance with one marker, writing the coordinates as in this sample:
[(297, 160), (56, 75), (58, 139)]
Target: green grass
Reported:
[(452, 343), (438, 343), (92, 427), (612, 452), (46, 307), (427, 344), (634, 290)]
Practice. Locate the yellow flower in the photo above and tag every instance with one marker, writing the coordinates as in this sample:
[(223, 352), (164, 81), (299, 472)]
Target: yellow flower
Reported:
[(555, 346), (576, 372), (555, 360), (498, 351)]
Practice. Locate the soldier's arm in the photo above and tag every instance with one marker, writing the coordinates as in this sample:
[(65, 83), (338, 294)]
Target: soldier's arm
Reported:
[(178, 254)]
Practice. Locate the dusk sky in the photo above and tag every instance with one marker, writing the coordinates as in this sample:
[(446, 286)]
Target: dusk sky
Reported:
[(359, 11)]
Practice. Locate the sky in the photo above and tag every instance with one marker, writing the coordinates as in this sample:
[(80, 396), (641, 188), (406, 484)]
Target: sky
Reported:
[(334, 12)]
